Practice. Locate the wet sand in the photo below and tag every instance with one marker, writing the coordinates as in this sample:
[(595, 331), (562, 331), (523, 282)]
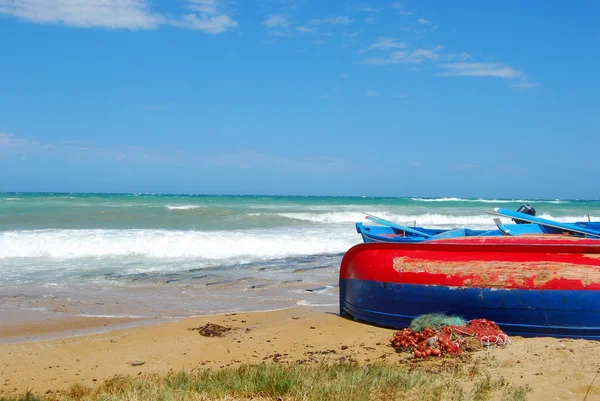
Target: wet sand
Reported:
[(555, 369)]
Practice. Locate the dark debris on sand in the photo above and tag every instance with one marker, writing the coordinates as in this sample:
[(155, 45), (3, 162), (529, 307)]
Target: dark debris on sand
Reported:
[(211, 330)]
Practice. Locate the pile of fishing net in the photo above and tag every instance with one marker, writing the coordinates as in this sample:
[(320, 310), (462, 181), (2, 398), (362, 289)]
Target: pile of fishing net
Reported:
[(437, 334)]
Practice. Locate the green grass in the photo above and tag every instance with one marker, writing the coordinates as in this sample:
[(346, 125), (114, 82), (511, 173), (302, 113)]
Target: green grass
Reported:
[(348, 382)]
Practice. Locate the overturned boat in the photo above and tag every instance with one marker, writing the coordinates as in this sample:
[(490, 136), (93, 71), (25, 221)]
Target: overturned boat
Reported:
[(538, 285)]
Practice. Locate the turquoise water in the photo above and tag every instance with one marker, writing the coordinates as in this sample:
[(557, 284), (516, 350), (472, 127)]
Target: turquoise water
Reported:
[(149, 255)]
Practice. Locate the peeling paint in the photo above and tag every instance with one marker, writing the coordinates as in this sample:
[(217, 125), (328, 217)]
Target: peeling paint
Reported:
[(498, 274)]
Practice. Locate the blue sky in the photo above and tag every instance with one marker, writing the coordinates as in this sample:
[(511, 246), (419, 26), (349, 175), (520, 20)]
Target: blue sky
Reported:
[(381, 98)]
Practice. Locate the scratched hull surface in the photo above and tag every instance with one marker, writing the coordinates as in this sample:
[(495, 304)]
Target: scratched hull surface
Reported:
[(535, 286)]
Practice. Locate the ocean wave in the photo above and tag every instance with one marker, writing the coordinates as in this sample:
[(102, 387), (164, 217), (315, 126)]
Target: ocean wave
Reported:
[(423, 219), (328, 218), (182, 207), (483, 221), (220, 247), (483, 200)]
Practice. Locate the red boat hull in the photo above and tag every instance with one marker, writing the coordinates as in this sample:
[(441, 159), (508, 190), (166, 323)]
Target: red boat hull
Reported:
[(542, 285)]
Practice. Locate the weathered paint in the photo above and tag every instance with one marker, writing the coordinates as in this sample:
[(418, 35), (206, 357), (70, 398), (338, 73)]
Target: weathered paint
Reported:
[(503, 262), (546, 285)]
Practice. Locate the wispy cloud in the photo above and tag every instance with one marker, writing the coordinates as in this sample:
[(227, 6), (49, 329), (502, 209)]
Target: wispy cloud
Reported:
[(480, 70), (406, 57), (243, 158), (337, 20), (365, 8), (117, 14), (464, 56), (276, 21), (423, 21), (399, 7), (10, 141), (384, 43), (371, 93), (304, 29), (210, 24), (350, 35), (209, 18), (370, 20), (204, 6)]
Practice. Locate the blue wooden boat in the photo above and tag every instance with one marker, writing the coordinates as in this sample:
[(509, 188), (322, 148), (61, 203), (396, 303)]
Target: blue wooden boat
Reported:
[(529, 285), (583, 229), (372, 233), (525, 224), (388, 231)]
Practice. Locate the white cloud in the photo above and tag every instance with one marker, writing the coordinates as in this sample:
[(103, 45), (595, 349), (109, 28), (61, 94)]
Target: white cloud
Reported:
[(370, 20), (210, 24), (464, 56), (344, 75), (210, 18), (426, 54), (12, 141), (338, 20), (400, 8), (117, 14), (204, 6), (368, 9), (423, 21), (371, 92), (480, 70), (276, 21), (304, 29), (406, 57), (384, 43)]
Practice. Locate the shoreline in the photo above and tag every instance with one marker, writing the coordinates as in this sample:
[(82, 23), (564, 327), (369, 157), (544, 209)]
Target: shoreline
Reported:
[(298, 335), (64, 326)]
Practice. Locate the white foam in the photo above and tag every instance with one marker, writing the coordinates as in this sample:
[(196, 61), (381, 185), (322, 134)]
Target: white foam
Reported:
[(327, 218), (182, 207), (220, 246), (304, 302), (481, 200)]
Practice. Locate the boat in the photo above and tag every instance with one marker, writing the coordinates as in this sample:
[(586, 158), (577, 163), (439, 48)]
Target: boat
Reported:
[(388, 231), (524, 224), (539, 285), (545, 226)]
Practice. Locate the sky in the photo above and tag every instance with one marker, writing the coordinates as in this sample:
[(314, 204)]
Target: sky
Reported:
[(298, 97)]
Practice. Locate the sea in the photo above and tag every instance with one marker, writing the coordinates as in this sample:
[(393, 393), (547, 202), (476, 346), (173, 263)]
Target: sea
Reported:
[(154, 256)]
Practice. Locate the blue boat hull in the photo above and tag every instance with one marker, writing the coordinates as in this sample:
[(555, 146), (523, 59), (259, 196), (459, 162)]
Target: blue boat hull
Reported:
[(521, 312)]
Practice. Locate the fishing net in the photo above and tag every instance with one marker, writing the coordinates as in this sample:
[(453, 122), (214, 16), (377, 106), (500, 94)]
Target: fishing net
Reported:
[(448, 338), (436, 321), (487, 332)]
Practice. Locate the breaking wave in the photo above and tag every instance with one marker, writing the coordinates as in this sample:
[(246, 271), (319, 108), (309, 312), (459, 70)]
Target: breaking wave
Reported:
[(220, 246), (182, 207)]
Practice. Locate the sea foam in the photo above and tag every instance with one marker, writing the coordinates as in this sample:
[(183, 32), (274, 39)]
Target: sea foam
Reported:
[(218, 246)]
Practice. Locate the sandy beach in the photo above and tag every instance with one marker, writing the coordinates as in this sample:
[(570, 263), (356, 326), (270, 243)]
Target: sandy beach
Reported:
[(555, 369)]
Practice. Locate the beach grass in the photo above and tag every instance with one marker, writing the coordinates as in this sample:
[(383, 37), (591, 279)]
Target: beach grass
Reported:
[(347, 381)]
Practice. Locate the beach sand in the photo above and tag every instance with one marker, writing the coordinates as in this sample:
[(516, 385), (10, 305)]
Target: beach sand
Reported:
[(555, 369)]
